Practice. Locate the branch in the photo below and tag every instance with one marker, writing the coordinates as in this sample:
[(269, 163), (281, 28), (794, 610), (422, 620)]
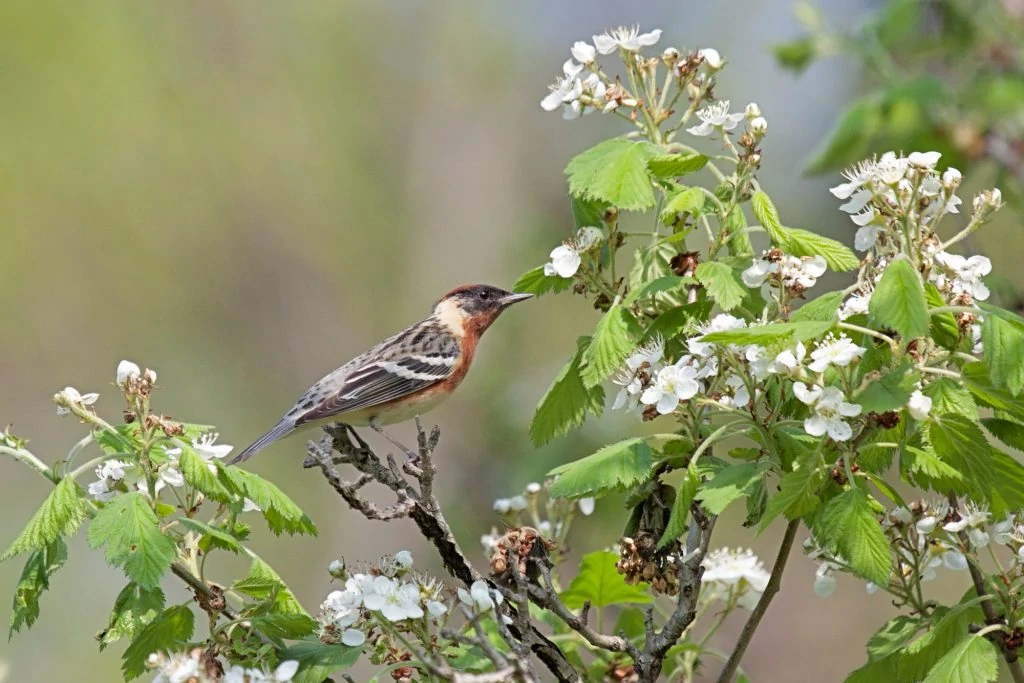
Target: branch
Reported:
[(412, 484), (774, 583)]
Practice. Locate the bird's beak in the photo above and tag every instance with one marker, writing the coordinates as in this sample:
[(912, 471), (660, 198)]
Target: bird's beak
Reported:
[(510, 299)]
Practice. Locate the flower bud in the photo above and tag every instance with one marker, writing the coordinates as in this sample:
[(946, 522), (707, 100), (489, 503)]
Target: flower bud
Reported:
[(583, 52), (533, 488), (759, 126), (127, 371), (670, 56), (403, 558), (711, 58), (752, 111), (150, 376), (951, 178), (336, 569)]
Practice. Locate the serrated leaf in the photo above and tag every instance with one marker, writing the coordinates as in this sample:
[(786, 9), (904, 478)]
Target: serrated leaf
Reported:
[(961, 444), (949, 397), (567, 401), (33, 582), (687, 201), (849, 525), (61, 513), (534, 281), (608, 347), (289, 625), (669, 324), (674, 165), (972, 660), (837, 255), (888, 392), (949, 627), (893, 635), (587, 212), (676, 525), (264, 583), (1004, 353), (217, 537), (730, 484), (775, 333), (317, 661), (975, 379), (925, 469), (614, 171), (945, 330), (280, 511), (129, 531), (798, 494), (667, 283), (1008, 489), (1009, 432), (134, 608), (617, 466), (167, 633), (721, 283), (825, 308), (898, 301), (601, 585), (766, 213), (196, 472), (649, 264)]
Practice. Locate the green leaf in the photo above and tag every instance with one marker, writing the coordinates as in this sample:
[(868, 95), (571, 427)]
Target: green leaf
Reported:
[(587, 212), (688, 201), (318, 660), (34, 581), (972, 660), (898, 301), (674, 165), (667, 283), (134, 608), (567, 401), (263, 583), (618, 466), (130, 532), (925, 469), (798, 494), (289, 625), (1008, 486), (888, 392), (823, 309), (775, 333), (945, 330), (280, 511), (167, 633), (217, 537), (196, 472), (975, 379), (614, 171), (650, 263), (685, 494), (1004, 353), (722, 284), (795, 54), (949, 627), (673, 321), (60, 515), (608, 347), (949, 397), (730, 484), (534, 281), (601, 585), (892, 637), (768, 215), (1009, 432), (849, 525), (838, 256), (961, 444)]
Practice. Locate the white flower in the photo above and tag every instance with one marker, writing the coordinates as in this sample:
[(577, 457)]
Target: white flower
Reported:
[(1002, 532), (758, 272), (924, 160), (583, 52), (951, 178), (353, 637), (857, 304), (752, 111), (919, 405), (565, 259), (973, 516), (715, 117), (71, 395), (927, 524), (858, 201), (711, 58), (967, 273), (866, 237), (759, 126), (829, 411), (435, 608), (723, 322), (127, 371), (792, 270), (978, 537), (480, 596), (673, 384), (824, 581), (341, 608), (395, 600), (738, 570), (789, 361), (565, 89), (839, 351), (760, 363), (403, 558), (336, 568), (489, 541), (177, 667), (644, 361), (740, 394), (626, 38), (586, 506)]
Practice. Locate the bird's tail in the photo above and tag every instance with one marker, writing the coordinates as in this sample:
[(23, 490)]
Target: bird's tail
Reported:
[(280, 430)]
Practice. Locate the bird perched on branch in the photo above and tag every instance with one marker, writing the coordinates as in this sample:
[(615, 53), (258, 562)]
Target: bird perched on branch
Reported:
[(403, 376)]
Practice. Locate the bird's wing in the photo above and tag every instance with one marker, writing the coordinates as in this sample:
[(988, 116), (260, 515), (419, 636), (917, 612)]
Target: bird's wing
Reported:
[(412, 360)]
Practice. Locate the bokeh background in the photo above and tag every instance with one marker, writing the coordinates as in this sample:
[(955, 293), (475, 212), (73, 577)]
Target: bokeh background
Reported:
[(244, 194)]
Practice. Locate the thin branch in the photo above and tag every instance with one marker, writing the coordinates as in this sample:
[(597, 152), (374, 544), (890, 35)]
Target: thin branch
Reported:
[(774, 583)]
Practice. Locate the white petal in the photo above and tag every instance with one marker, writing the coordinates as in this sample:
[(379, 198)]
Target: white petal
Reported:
[(815, 267), (127, 370), (806, 396), (648, 39), (857, 202), (711, 58), (849, 409), (286, 670), (552, 101), (839, 430), (353, 637), (825, 585), (702, 130), (583, 52), (605, 44), (571, 68), (816, 425), (865, 217), (924, 159), (586, 505), (845, 190), (866, 237), (667, 403), (651, 395)]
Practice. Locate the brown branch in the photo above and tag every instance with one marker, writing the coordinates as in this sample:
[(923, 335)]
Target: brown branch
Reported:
[(774, 583)]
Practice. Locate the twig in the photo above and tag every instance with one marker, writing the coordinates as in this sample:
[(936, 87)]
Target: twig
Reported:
[(774, 583)]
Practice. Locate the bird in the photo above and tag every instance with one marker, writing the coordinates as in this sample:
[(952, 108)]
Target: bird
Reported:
[(402, 377)]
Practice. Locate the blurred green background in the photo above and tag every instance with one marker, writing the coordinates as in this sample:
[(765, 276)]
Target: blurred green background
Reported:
[(243, 195)]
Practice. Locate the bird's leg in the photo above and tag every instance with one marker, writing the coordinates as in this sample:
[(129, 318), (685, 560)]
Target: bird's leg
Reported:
[(408, 453)]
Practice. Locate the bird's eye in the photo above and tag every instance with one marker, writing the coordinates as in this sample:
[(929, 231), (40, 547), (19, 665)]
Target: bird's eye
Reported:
[(484, 294)]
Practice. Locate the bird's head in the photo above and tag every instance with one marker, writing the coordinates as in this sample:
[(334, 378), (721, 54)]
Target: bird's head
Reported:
[(472, 308)]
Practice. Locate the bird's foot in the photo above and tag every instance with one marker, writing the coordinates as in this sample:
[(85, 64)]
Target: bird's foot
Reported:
[(409, 454)]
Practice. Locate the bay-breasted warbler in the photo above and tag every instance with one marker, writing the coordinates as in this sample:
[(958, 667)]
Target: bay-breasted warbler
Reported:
[(403, 376)]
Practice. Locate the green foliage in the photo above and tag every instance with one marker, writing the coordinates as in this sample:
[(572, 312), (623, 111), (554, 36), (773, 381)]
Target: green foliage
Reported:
[(134, 608), (1004, 351), (290, 625), (281, 513), (776, 333), (972, 660), (680, 511), (600, 584), (848, 524), (264, 584), (317, 661), (196, 472), (670, 166), (130, 533), (722, 284), (949, 397), (798, 490), (898, 301), (608, 347), (730, 484), (534, 281), (922, 467), (893, 636), (768, 215), (567, 401), (888, 392), (837, 256), (167, 633), (1009, 432), (61, 513), (614, 171), (961, 444), (615, 467), (686, 201), (34, 581), (824, 308), (212, 535)]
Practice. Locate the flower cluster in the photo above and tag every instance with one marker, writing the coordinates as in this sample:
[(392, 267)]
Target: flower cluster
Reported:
[(199, 666), (566, 258), (795, 274), (735, 576), (547, 516)]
